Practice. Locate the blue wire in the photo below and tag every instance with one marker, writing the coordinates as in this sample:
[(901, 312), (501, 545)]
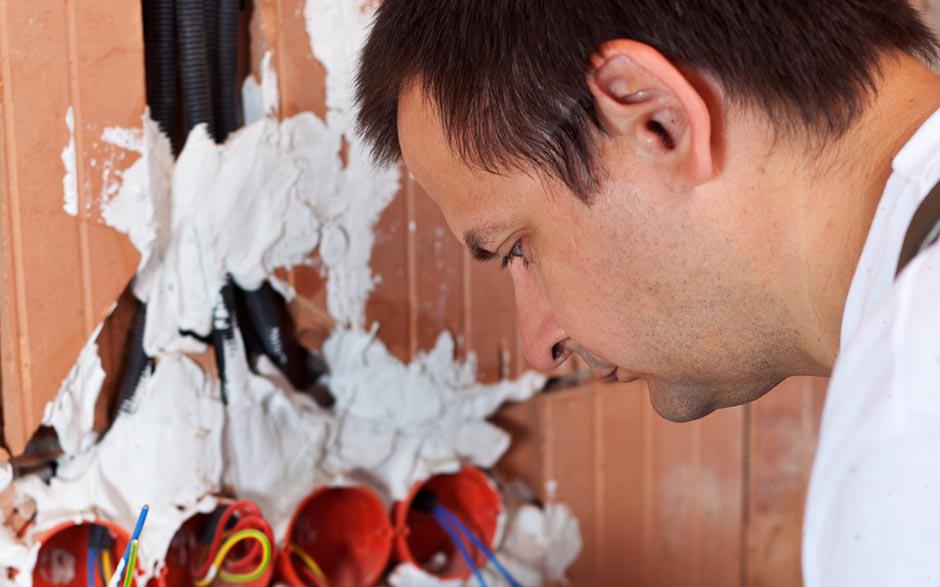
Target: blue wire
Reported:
[(140, 523), (479, 544), (91, 567), (138, 528), (442, 522)]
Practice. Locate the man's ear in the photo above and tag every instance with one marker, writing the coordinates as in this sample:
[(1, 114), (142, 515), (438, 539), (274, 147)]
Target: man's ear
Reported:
[(644, 99)]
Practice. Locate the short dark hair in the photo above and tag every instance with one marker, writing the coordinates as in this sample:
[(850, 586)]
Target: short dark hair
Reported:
[(508, 76)]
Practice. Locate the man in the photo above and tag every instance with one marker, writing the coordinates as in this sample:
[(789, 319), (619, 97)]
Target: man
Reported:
[(710, 196)]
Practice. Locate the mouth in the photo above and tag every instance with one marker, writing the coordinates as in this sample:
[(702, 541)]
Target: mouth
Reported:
[(615, 375), (608, 377)]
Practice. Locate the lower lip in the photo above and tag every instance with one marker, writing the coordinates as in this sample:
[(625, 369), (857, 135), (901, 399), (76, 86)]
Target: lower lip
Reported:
[(610, 377), (624, 377)]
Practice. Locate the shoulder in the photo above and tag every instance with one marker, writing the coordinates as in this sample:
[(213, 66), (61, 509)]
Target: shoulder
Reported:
[(871, 515), (915, 332)]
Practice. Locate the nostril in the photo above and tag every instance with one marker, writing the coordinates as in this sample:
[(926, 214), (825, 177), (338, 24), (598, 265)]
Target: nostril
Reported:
[(558, 351)]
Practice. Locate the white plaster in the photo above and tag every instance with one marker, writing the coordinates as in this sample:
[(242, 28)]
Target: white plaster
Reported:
[(261, 99), (70, 179), (72, 412), (166, 454)]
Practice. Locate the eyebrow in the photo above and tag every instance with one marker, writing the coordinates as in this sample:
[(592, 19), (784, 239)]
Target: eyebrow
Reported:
[(472, 240)]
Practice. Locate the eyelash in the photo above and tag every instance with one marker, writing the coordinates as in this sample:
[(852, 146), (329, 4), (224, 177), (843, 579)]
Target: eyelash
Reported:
[(515, 251)]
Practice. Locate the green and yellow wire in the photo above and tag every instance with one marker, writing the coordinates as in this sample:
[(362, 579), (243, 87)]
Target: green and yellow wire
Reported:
[(215, 569), (308, 562), (131, 562)]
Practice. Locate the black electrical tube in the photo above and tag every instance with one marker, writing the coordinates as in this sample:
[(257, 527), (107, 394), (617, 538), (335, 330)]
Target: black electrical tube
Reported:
[(207, 42), (263, 320), (211, 8), (224, 330), (160, 60), (225, 72), (270, 321), (136, 361), (194, 64)]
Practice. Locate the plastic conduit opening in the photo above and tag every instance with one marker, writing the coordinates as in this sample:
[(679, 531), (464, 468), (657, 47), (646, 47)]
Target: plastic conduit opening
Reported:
[(64, 555), (200, 544), (472, 498), (344, 532)]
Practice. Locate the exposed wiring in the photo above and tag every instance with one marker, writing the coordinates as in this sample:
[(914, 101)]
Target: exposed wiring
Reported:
[(309, 564), (479, 544), (131, 562), (461, 547), (234, 518), (91, 567), (426, 501), (125, 565), (215, 567), (106, 566), (99, 543), (138, 528)]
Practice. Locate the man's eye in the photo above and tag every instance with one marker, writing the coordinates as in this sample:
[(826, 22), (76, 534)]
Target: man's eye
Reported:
[(515, 251)]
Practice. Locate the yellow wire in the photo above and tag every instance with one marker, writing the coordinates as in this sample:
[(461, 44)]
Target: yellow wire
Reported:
[(106, 566), (308, 561), (230, 542)]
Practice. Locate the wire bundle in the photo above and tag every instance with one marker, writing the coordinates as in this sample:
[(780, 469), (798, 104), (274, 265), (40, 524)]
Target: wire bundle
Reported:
[(240, 531), (427, 502), (310, 569), (100, 544)]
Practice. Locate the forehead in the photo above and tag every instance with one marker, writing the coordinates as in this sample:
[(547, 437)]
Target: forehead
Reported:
[(469, 197), (425, 148)]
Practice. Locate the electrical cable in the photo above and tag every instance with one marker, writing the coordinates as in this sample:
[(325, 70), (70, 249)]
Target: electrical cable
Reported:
[(131, 562), (138, 528), (310, 565), (479, 544), (243, 563), (231, 525), (90, 567), (106, 566), (461, 547), (215, 568), (99, 542)]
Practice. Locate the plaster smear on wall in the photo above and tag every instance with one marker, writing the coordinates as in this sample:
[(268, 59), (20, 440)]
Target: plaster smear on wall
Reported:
[(275, 192), (72, 412), (70, 179)]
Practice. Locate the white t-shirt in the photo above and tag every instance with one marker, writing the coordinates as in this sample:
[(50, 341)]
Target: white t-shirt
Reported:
[(873, 508)]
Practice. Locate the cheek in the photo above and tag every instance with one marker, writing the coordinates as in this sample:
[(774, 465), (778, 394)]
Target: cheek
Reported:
[(588, 279)]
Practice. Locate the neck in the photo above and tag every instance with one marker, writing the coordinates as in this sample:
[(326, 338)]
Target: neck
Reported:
[(840, 196)]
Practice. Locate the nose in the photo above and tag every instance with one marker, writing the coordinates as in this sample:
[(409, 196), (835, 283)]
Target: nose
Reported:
[(544, 342)]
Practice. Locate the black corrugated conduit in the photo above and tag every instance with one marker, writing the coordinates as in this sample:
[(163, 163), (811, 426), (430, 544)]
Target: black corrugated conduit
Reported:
[(136, 361), (225, 72), (273, 329), (160, 61), (194, 64), (206, 44)]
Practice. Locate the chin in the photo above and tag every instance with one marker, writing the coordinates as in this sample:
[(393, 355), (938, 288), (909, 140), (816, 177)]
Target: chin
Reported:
[(684, 402), (677, 404)]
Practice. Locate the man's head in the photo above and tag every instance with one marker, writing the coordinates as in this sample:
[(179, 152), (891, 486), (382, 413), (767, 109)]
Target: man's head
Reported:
[(631, 162)]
